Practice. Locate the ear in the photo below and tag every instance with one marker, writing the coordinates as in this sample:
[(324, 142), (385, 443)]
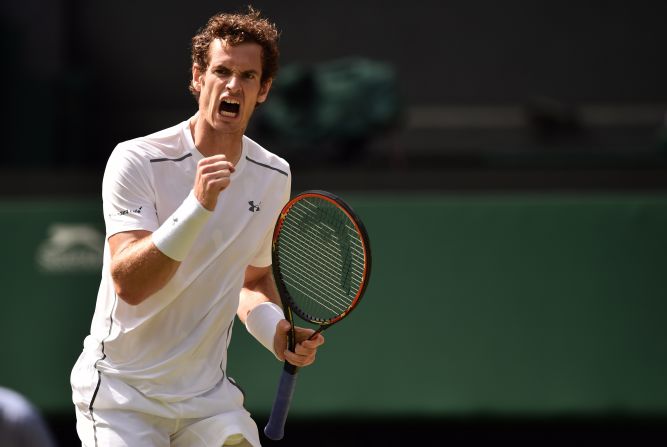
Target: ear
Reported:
[(197, 77), (264, 90)]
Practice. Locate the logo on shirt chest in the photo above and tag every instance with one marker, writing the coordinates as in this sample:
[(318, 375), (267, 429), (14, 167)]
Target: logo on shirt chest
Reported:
[(254, 207)]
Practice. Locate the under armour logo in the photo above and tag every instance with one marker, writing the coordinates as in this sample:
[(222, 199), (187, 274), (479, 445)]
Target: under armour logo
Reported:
[(253, 207)]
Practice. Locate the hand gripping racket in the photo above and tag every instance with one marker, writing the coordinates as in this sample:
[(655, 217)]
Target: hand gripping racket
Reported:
[(321, 264)]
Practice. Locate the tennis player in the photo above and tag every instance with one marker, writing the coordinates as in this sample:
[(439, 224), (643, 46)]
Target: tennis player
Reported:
[(189, 214)]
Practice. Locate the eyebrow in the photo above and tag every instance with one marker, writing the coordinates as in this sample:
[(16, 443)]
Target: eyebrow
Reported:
[(251, 71), (245, 72)]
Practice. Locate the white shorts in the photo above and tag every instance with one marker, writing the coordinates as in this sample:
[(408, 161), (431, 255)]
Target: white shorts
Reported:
[(120, 428), (122, 416)]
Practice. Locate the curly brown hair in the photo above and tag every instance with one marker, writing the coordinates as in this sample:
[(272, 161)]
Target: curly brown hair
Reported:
[(235, 29)]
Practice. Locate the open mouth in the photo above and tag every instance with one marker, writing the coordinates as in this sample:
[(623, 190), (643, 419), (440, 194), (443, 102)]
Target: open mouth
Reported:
[(229, 107)]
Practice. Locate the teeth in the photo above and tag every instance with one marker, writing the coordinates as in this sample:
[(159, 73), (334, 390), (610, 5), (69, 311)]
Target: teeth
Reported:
[(229, 107)]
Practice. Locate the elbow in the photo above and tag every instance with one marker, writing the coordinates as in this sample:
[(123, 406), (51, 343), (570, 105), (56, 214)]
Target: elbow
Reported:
[(135, 283), (131, 297), (124, 289)]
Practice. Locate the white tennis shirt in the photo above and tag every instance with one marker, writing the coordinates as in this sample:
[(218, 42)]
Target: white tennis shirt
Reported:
[(173, 346)]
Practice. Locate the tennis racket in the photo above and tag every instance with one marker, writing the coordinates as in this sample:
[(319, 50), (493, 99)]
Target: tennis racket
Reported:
[(321, 264)]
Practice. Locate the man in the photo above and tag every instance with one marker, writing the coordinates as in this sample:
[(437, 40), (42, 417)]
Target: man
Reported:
[(189, 213)]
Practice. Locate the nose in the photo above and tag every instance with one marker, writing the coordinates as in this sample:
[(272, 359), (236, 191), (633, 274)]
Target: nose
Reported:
[(234, 83)]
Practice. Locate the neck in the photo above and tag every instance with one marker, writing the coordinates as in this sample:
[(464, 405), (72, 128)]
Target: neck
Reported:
[(212, 142)]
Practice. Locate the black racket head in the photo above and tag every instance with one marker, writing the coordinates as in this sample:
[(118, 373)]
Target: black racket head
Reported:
[(321, 257)]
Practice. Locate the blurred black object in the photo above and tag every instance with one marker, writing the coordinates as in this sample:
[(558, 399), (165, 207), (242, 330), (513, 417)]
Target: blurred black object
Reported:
[(340, 105), (551, 119)]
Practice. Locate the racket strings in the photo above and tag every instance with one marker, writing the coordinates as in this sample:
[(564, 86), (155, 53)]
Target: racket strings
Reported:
[(321, 289), (321, 259), (305, 260)]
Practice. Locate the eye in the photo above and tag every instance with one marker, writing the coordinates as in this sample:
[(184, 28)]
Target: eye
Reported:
[(222, 71)]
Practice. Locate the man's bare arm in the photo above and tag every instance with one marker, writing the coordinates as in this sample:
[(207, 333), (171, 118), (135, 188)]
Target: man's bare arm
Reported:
[(138, 268)]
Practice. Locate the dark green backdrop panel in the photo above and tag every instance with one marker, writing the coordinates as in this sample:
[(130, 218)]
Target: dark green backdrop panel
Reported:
[(511, 304), (50, 274)]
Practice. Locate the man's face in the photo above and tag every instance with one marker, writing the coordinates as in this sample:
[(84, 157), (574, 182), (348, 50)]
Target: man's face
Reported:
[(230, 87)]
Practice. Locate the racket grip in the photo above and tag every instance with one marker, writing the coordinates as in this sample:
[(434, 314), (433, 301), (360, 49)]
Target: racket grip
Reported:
[(275, 428)]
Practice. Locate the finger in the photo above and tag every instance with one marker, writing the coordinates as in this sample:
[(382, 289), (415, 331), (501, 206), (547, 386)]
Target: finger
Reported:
[(317, 340), (311, 345), (217, 176), (305, 334), (219, 166), (212, 159), (283, 326), (298, 359), (217, 184), (304, 350), (214, 175)]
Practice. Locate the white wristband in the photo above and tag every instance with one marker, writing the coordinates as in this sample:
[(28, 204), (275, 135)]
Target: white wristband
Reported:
[(261, 322), (178, 233)]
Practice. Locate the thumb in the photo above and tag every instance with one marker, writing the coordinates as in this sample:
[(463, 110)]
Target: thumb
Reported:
[(283, 327)]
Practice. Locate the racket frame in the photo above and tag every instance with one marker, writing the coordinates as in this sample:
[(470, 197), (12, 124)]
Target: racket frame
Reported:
[(285, 297)]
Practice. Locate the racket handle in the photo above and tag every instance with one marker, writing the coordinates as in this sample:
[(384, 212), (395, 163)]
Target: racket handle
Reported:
[(275, 428)]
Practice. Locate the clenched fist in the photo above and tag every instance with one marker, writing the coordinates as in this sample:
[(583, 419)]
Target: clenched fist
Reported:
[(213, 176)]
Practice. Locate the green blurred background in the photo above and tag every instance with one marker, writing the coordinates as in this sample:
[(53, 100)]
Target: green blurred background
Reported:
[(510, 164), (513, 306)]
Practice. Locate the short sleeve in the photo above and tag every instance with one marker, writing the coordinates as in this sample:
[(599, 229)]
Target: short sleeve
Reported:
[(128, 196), (263, 255)]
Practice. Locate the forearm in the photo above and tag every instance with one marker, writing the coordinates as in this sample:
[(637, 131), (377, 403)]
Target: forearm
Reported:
[(266, 322), (143, 262), (259, 310), (139, 270), (255, 292)]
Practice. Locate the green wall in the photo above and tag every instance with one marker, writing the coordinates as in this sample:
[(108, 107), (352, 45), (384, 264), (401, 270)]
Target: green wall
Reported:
[(514, 304)]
